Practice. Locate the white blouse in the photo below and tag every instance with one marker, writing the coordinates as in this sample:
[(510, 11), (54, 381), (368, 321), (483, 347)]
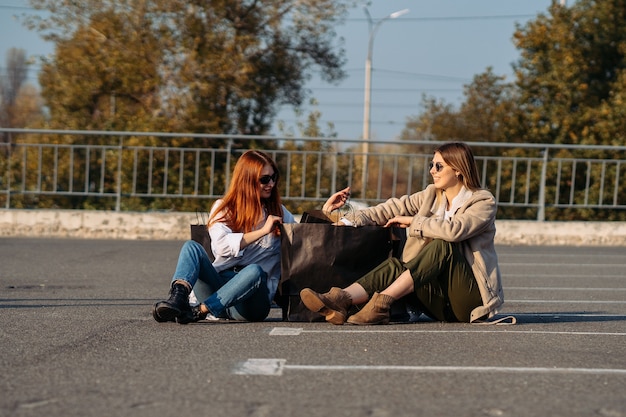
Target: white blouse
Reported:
[(264, 252)]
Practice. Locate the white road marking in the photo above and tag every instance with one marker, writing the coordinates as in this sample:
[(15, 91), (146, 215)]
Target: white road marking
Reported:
[(286, 331), (525, 276), (564, 289), (297, 331), (276, 367), (260, 367), (554, 265), (567, 301)]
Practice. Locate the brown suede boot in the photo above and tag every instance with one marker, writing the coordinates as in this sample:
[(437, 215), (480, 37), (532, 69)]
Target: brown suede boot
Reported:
[(333, 305), (376, 311)]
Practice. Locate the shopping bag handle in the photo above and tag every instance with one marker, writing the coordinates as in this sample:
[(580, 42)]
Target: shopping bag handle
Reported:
[(200, 215), (349, 213)]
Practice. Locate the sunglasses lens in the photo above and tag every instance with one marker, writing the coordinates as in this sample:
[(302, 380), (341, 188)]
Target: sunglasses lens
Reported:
[(438, 166), (265, 179)]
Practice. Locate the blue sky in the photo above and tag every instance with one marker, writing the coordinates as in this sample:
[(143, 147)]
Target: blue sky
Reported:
[(434, 49)]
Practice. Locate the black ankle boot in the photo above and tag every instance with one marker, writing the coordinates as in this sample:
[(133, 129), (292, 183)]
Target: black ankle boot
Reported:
[(193, 315), (175, 306)]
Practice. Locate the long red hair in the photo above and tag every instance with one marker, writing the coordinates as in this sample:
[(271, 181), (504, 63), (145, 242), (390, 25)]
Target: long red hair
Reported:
[(242, 207)]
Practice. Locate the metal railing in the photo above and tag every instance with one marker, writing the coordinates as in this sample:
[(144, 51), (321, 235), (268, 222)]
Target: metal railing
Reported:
[(133, 168)]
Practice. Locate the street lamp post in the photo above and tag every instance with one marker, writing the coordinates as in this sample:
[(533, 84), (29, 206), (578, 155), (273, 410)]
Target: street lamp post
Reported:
[(373, 27)]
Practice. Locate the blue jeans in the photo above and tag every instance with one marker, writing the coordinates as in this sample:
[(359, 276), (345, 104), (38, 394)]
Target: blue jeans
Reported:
[(241, 295)]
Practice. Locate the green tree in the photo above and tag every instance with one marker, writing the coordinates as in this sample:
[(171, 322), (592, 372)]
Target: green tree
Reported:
[(302, 169), (105, 76), (569, 84), (571, 80), (438, 121), (217, 66), (19, 103), (570, 75), (569, 88), (20, 106), (483, 116)]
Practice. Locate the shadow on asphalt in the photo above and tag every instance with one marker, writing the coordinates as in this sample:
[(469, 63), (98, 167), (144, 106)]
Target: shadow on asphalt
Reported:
[(567, 317)]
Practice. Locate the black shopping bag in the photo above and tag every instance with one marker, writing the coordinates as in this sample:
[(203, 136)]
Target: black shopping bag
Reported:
[(320, 256), (318, 216), (200, 233)]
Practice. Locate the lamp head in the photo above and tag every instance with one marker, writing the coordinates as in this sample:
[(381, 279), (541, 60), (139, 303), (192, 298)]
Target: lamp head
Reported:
[(398, 13)]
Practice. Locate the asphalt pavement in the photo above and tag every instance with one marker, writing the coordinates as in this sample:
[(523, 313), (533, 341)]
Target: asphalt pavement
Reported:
[(78, 339)]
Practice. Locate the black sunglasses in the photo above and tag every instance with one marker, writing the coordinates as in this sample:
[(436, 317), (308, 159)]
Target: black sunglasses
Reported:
[(265, 179), (438, 166)]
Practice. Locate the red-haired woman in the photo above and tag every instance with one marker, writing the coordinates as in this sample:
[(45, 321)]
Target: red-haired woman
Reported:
[(241, 282)]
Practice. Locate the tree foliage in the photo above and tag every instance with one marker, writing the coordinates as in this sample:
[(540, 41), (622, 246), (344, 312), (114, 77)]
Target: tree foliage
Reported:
[(305, 179), (569, 87), (483, 116), (571, 73), (19, 104), (105, 76), (217, 66)]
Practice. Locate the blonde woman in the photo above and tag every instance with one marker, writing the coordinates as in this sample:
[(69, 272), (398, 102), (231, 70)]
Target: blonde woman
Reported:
[(449, 264), (242, 280)]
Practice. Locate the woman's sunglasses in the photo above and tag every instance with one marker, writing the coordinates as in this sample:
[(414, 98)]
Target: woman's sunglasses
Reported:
[(265, 179), (438, 166)]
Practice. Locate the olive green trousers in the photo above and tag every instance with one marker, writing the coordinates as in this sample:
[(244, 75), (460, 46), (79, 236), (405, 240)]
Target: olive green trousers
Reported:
[(444, 285)]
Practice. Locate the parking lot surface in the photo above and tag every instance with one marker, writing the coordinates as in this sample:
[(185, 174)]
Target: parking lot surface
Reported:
[(77, 339)]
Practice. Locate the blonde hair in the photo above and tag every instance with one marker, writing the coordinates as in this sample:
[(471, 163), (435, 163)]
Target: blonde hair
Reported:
[(242, 207), (461, 158)]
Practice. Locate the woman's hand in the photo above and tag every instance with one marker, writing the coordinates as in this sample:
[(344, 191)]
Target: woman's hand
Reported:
[(399, 221), (336, 200), (271, 223)]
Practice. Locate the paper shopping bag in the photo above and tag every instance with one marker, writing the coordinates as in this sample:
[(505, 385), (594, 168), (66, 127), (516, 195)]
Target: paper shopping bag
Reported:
[(200, 233), (320, 256)]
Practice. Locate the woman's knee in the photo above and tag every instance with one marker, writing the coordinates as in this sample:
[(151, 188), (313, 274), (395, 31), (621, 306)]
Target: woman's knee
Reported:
[(258, 271), (382, 276), (255, 275), (439, 245), (191, 246)]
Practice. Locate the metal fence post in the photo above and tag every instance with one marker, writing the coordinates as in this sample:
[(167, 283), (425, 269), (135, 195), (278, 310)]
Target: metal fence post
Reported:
[(118, 198), (541, 210), (333, 178), (229, 149), (9, 171)]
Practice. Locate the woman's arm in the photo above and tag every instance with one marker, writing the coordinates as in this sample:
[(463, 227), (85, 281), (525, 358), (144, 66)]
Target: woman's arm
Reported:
[(336, 200), (397, 210), (226, 243), (270, 224), (472, 219)]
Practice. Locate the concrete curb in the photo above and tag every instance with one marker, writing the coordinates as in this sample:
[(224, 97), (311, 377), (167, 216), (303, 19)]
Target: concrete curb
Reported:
[(88, 224)]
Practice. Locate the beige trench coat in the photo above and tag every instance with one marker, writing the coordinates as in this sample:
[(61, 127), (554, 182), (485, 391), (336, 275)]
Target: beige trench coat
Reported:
[(472, 225)]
